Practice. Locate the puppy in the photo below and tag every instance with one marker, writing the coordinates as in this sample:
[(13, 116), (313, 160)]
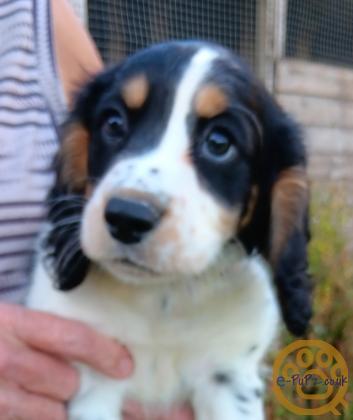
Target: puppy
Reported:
[(178, 224)]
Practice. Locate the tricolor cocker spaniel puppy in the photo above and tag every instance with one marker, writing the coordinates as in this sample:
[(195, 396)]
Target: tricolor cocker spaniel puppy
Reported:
[(178, 225)]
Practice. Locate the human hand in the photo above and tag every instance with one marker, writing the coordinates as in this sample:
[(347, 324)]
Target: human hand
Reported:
[(35, 354), (133, 411)]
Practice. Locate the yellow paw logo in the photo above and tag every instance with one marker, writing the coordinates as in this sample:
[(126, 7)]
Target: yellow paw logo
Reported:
[(310, 377)]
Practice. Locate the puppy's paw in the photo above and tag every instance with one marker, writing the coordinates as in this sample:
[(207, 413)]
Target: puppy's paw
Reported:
[(99, 398)]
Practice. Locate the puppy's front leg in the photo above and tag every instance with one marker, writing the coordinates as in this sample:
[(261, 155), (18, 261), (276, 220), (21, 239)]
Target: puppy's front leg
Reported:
[(223, 399), (99, 398)]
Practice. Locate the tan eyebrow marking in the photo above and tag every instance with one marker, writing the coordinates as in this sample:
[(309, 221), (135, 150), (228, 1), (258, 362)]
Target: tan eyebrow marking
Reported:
[(134, 91), (210, 101)]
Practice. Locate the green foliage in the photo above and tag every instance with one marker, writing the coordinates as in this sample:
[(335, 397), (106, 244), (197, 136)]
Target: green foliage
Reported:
[(331, 264)]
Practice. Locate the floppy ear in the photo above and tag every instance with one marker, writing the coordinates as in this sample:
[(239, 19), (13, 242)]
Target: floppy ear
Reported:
[(289, 235), (64, 255), (278, 227)]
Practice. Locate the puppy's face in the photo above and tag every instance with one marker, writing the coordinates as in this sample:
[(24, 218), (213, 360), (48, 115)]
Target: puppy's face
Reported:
[(171, 152), (176, 152)]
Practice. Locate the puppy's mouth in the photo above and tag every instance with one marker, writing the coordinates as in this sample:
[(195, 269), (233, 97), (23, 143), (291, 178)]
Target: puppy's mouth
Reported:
[(132, 272), (129, 264)]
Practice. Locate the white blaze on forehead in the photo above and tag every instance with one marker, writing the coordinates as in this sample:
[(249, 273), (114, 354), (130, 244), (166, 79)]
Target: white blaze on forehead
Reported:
[(175, 139), (174, 142)]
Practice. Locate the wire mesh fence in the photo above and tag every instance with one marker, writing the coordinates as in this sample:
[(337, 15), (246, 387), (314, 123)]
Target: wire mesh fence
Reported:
[(316, 30), (120, 27), (320, 30)]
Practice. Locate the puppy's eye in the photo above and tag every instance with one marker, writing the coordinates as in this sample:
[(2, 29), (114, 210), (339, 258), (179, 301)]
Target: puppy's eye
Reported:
[(113, 128), (219, 146)]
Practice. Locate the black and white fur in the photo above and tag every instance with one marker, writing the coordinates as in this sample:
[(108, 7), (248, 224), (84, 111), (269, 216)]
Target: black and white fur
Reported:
[(195, 299)]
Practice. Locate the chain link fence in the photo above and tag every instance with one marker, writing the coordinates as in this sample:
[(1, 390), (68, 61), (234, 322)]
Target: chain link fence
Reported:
[(315, 30), (120, 27), (320, 30)]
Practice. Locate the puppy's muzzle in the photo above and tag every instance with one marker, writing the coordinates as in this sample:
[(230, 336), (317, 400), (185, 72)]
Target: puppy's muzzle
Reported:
[(130, 220)]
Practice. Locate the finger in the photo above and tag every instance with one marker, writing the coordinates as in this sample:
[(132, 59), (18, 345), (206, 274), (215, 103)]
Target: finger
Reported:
[(20, 405), (37, 372), (184, 413), (73, 340), (135, 411)]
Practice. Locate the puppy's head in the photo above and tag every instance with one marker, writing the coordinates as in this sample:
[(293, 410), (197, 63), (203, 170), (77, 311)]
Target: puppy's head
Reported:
[(170, 156)]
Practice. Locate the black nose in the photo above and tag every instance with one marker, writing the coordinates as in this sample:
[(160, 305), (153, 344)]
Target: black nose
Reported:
[(129, 220)]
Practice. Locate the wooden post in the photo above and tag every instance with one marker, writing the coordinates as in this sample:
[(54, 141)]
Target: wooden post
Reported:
[(271, 35), (280, 29)]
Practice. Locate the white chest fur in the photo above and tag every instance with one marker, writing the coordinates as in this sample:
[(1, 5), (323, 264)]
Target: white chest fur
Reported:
[(180, 335)]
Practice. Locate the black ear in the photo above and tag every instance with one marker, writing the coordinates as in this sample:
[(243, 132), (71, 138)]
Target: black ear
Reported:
[(66, 201), (64, 257), (63, 254), (287, 251), (278, 227)]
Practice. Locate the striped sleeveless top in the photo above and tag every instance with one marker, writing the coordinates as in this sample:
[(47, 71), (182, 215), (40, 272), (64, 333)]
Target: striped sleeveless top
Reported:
[(32, 106)]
